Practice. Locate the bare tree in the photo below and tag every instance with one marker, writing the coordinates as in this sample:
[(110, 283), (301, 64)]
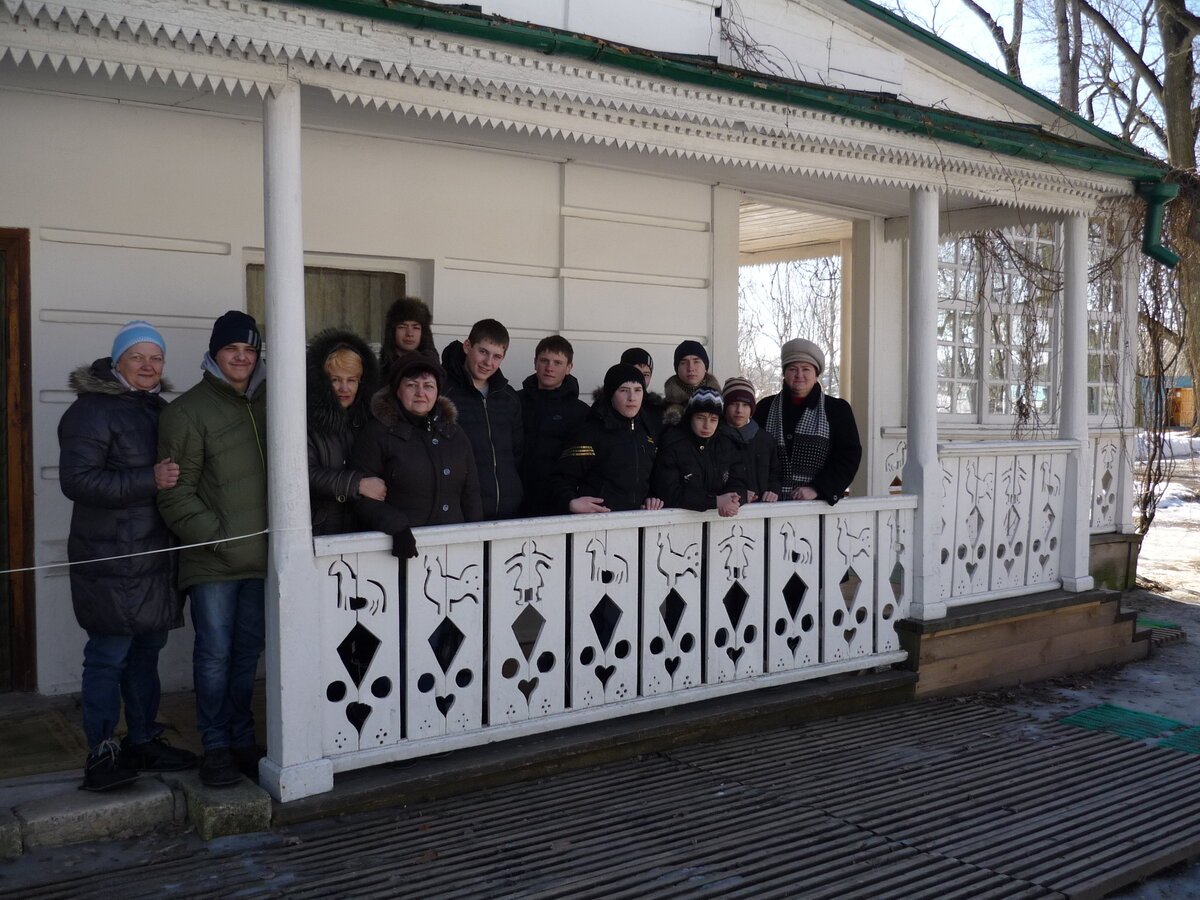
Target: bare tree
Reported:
[(781, 301)]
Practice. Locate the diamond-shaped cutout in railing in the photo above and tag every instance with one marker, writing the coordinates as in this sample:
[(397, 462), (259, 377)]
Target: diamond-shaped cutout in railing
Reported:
[(671, 610), (605, 615), (527, 628), (356, 651), (896, 580), (445, 641), (849, 587), (793, 594), (735, 603)]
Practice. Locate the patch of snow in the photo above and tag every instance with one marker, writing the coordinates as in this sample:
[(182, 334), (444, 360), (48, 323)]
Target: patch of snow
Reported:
[(1175, 445)]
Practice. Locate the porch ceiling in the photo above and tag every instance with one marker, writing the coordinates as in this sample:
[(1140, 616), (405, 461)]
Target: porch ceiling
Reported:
[(776, 233)]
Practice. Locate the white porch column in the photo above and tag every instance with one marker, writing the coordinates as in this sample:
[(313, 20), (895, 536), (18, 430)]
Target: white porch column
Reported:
[(294, 766), (922, 471), (1072, 420)]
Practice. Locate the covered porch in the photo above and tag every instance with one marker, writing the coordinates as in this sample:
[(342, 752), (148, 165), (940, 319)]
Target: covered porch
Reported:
[(499, 630)]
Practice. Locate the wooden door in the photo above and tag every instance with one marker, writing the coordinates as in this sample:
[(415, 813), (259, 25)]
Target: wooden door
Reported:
[(16, 468)]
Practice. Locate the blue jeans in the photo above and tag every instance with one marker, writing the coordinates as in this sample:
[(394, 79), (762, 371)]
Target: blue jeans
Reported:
[(230, 634), (116, 667)]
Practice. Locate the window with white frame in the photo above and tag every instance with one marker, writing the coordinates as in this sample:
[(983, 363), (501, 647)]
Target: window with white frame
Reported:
[(996, 320), (1105, 313), (999, 312)]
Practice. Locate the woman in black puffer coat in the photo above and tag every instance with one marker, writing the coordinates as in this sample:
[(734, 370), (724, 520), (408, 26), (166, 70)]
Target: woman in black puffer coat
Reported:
[(333, 424), (108, 440), (416, 446), (108, 448)]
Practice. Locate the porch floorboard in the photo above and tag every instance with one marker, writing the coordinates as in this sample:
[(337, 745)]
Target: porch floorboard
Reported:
[(938, 799)]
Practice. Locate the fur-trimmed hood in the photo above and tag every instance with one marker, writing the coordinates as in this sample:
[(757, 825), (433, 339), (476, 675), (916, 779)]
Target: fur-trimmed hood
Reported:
[(406, 309), (98, 378), (325, 414), (386, 408), (677, 395)]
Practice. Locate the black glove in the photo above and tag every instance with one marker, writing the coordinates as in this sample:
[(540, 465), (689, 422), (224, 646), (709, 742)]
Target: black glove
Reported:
[(404, 545)]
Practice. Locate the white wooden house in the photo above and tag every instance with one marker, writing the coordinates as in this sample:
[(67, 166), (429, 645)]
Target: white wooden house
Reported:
[(531, 163)]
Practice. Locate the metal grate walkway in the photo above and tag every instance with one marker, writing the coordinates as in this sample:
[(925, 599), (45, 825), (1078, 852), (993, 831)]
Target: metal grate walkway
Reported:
[(937, 800)]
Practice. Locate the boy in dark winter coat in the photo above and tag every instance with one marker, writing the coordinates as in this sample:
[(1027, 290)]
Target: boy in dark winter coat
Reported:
[(415, 445), (109, 442), (760, 452), (653, 404), (406, 329), (489, 411), (342, 377), (698, 466), (551, 412), (691, 374), (606, 466)]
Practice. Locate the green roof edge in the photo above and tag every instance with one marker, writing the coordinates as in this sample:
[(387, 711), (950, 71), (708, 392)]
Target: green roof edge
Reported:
[(1009, 140)]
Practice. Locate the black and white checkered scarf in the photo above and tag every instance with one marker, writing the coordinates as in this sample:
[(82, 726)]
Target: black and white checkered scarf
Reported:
[(805, 450)]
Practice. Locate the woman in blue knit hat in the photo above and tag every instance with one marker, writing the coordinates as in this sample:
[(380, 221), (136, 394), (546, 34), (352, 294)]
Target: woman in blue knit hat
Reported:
[(108, 466)]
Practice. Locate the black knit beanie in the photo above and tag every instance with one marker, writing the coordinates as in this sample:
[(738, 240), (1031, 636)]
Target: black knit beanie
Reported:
[(619, 375), (691, 348), (234, 328)]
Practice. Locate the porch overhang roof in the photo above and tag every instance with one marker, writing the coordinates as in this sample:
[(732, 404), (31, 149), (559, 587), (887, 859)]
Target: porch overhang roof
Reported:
[(538, 91), (1008, 139)]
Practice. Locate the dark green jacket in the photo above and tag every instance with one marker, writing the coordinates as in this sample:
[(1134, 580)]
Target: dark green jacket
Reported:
[(218, 436)]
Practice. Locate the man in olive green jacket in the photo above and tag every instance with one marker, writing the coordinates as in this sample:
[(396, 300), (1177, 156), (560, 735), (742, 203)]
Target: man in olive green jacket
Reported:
[(216, 433)]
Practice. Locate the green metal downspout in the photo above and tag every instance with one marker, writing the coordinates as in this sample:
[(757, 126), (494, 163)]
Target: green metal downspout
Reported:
[(1157, 195)]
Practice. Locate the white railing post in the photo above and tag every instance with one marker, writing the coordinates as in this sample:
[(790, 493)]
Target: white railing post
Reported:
[(294, 766), (1076, 546), (922, 471)]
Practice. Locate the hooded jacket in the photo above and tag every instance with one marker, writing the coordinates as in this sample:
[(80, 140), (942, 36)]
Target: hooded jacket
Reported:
[(108, 442), (551, 418), (610, 458), (332, 483), (493, 425), (406, 309), (677, 394), (690, 472), (429, 471), (218, 436)]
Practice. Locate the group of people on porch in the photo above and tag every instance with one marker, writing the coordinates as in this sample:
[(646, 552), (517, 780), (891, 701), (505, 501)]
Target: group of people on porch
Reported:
[(170, 499)]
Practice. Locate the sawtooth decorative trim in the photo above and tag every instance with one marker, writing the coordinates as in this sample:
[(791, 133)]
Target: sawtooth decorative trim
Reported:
[(252, 48)]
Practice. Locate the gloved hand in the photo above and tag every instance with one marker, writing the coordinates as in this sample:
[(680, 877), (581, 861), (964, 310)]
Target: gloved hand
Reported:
[(404, 545)]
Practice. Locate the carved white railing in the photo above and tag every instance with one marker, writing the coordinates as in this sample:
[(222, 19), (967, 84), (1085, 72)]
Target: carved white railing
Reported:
[(1002, 516), (510, 628), (1109, 454)]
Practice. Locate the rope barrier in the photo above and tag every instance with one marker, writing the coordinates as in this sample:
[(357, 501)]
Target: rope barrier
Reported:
[(85, 562)]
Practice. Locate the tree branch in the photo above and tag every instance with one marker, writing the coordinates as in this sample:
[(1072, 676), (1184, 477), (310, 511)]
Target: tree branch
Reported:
[(1131, 55)]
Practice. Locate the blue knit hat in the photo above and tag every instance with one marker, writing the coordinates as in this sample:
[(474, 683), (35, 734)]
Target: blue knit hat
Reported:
[(136, 332)]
